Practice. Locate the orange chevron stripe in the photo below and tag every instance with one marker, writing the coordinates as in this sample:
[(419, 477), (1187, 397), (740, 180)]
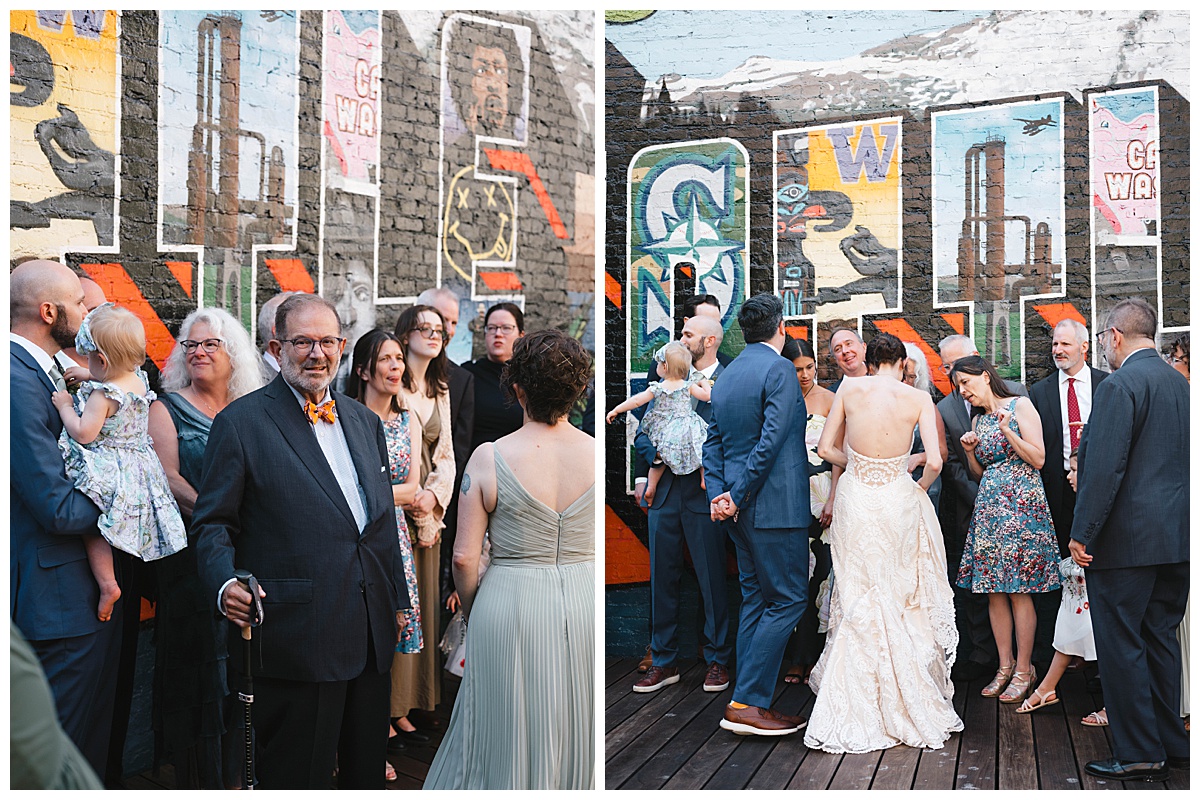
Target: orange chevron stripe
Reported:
[(906, 333), (612, 290), (1055, 313), (119, 288), (626, 559), (182, 270), (956, 321), (291, 275)]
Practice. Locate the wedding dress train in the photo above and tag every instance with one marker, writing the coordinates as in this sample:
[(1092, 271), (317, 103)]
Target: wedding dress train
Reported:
[(884, 676)]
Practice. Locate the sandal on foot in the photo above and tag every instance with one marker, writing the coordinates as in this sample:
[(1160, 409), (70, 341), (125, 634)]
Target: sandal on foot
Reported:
[(794, 675), (1037, 700), (1019, 686), (1096, 719), (390, 774), (1003, 676)]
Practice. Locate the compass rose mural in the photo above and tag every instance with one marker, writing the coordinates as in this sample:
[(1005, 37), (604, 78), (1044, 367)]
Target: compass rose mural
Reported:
[(688, 234)]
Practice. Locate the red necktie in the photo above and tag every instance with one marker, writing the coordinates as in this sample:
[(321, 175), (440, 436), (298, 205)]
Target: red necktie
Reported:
[(325, 412), (1073, 412)]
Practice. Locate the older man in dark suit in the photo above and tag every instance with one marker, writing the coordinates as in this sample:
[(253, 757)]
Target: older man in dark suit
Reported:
[(295, 489), (957, 504), (1064, 402), (1131, 533), (756, 474), (52, 593)]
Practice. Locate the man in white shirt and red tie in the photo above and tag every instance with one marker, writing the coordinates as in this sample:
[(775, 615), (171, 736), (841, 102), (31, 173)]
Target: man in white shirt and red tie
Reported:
[(1064, 402)]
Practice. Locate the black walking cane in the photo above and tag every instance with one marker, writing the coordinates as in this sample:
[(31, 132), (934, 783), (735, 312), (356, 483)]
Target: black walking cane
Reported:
[(246, 689)]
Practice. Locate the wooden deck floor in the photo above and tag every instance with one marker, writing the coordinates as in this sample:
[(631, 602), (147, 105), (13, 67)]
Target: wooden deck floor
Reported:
[(670, 739), (412, 764)]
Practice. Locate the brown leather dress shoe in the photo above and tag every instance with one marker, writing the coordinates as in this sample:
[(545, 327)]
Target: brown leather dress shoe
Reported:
[(751, 721), (646, 662), (717, 679), (657, 678)]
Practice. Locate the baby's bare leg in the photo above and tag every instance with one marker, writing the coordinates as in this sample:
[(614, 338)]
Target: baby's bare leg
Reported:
[(652, 479), (100, 559)]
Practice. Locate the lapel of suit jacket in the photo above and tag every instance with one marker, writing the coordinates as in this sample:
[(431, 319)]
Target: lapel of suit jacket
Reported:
[(960, 410), (705, 409), (22, 355), (1056, 410), (297, 432)]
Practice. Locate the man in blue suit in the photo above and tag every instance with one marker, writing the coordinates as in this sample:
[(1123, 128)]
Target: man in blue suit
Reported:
[(679, 513), (1131, 533), (756, 474), (52, 593)]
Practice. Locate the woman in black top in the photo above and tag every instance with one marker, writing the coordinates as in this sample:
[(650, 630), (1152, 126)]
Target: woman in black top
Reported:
[(496, 414)]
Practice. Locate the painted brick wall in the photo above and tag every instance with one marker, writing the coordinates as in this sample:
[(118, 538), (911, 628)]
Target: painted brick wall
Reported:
[(216, 158), (990, 176)]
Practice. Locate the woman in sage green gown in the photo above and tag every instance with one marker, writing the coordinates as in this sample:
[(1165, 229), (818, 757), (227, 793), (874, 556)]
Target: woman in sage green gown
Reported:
[(524, 717)]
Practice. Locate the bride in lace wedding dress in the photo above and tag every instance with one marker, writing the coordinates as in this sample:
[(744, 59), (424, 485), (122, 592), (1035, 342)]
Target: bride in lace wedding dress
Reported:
[(884, 676)]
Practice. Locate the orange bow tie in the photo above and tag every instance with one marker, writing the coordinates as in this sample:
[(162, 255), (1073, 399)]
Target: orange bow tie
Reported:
[(324, 411)]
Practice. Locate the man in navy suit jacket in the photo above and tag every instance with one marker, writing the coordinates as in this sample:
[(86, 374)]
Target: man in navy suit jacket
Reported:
[(1131, 533), (52, 593), (756, 473), (679, 513), (301, 497)]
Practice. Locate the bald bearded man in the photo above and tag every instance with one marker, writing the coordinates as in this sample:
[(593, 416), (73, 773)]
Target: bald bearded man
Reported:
[(52, 593)]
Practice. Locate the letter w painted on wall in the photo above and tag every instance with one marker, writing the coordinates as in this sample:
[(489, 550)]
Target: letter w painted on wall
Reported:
[(853, 162)]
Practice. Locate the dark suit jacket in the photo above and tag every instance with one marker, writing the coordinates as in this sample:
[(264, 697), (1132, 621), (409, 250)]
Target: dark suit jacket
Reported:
[(462, 420), (694, 498), (755, 447), (1059, 496), (52, 593), (957, 482), (269, 503), (1134, 466)]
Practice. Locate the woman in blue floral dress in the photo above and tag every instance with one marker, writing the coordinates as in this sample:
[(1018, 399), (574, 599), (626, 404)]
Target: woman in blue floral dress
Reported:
[(1010, 551), (375, 379)]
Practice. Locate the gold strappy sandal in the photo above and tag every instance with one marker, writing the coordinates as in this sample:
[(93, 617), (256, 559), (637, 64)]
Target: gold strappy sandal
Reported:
[(1020, 685), (1003, 676)]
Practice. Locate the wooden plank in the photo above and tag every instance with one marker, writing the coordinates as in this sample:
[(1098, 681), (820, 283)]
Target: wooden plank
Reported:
[(936, 769), (660, 703), (407, 765), (977, 753), (897, 768), (631, 702), (620, 765), (620, 670), (1017, 768), (785, 759), (142, 782), (677, 751), (744, 761), (816, 771), (1056, 765), (1089, 744), (856, 771), (1180, 779)]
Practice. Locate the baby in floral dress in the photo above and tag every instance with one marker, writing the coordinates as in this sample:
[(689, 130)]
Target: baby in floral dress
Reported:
[(108, 453)]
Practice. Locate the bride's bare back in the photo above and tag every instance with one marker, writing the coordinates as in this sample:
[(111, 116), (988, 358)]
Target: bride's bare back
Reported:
[(880, 414)]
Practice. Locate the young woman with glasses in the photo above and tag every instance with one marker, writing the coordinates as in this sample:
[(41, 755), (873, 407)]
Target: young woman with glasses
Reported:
[(496, 414)]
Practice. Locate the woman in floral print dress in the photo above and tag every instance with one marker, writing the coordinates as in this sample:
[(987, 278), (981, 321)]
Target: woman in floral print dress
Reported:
[(1010, 551)]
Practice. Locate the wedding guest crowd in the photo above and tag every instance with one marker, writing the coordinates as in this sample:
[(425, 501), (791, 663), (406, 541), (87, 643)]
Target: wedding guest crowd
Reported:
[(337, 503), (1063, 512)]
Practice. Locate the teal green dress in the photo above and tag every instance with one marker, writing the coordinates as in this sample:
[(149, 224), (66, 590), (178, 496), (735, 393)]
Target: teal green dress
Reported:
[(524, 716)]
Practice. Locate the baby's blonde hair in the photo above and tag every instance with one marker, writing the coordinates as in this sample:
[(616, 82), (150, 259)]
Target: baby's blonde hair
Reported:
[(677, 361), (119, 335)]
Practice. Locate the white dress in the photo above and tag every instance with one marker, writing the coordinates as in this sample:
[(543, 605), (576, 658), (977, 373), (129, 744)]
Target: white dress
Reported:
[(1073, 628), (884, 676)]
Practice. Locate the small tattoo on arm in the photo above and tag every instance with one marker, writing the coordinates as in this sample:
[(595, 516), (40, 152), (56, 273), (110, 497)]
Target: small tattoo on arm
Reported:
[(466, 484)]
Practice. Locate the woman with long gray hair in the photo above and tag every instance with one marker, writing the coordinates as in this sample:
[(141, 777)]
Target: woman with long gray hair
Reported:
[(213, 364)]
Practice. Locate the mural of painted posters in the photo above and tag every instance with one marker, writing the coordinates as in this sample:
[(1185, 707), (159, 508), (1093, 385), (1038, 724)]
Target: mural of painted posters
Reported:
[(228, 141), (1124, 144), (351, 100), (998, 208), (485, 98), (837, 218), (64, 130), (687, 205)]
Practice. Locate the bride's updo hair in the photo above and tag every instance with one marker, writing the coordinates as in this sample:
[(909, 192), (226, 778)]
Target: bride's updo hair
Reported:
[(884, 349)]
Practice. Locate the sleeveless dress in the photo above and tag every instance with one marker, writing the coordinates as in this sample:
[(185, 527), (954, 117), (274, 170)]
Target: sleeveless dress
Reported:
[(1010, 545), (120, 472), (675, 429), (524, 717), (884, 677), (415, 679), (190, 706), (1073, 627), (395, 432)]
